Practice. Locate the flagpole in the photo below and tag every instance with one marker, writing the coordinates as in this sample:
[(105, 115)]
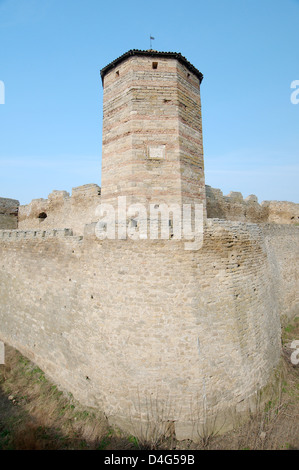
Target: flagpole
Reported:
[(151, 37)]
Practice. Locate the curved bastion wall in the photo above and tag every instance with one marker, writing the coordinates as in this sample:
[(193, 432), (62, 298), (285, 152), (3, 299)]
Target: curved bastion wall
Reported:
[(145, 330)]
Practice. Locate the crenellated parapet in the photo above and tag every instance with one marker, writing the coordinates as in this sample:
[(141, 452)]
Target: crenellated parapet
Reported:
[(62, 210), (235, 208)]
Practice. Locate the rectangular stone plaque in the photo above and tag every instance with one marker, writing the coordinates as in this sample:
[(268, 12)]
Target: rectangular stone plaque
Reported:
[(157, 152)]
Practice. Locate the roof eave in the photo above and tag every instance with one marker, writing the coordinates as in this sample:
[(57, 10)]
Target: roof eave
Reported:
[(151, 53)]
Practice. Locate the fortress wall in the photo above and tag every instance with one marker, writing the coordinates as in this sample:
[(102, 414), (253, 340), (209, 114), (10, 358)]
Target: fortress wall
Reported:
[(235, 207), (8, 213), (282, 243), (62, 210), (135, 327), (282, 212)]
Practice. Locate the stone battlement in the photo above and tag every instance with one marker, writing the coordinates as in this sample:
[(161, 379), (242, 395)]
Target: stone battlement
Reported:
[(235, 207), (62, 210)]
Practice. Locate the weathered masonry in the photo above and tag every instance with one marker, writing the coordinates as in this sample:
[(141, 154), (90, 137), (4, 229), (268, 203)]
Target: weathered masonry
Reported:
[(165, 336), (152, 131), (8, 213)]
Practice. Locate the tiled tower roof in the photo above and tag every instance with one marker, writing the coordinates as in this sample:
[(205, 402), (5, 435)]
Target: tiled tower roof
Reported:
[(152, 53)]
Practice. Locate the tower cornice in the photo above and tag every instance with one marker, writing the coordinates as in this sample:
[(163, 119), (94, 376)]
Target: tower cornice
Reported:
[(152, 53)]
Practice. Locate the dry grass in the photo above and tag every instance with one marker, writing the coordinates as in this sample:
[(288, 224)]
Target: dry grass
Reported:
[(35, 415)]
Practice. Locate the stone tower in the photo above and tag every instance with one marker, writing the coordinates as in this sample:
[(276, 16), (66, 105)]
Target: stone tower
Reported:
[(152, 129)]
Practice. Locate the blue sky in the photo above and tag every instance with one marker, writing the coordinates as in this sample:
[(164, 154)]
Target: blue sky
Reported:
[(51, 53)]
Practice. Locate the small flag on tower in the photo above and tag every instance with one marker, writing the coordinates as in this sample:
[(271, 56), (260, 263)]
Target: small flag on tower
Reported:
[(151, 38)]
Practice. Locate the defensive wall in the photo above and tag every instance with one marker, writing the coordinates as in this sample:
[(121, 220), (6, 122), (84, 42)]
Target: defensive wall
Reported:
[(235, 207), (62, 210), (152, 333), (146, 330)]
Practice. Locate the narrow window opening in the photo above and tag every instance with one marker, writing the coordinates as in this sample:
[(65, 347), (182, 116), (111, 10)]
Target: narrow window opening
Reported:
[(155, 65), (117, 73)]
